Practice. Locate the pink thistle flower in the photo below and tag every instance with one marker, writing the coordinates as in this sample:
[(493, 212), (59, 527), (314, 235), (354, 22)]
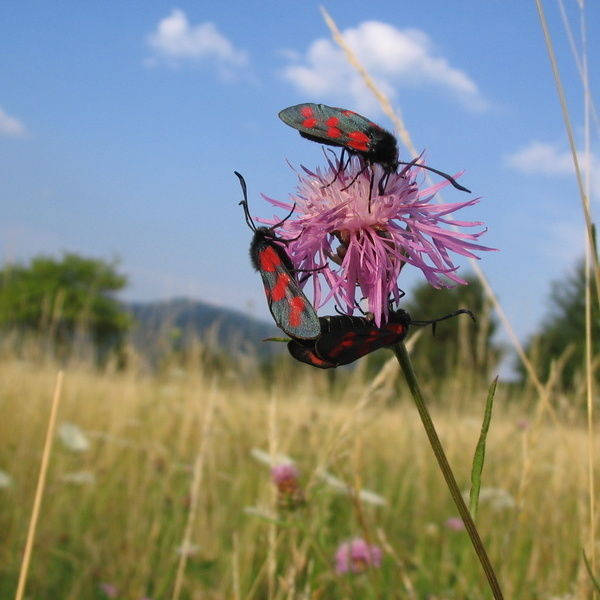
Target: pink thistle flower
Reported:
[(368, 236), (357, 556), (284, 474), (289, 491)]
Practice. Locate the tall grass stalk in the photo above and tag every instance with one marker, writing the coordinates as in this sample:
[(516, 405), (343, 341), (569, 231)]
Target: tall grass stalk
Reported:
[(195, 489), (591, 255), (585, 200), (41, 485)]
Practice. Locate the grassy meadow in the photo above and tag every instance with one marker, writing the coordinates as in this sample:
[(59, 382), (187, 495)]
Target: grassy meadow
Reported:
[(147, 449)]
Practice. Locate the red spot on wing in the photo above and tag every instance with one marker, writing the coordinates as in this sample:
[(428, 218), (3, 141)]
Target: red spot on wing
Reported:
[(332, 122), (347, 113), (397, 328), (278, 291), (334, 132), (316, 360), (269, 260), (359, 141), (309, 123), (306, 111), (297, 308), (346, 342)]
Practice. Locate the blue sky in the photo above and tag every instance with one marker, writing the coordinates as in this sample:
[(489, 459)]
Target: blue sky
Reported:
[(121, 124)]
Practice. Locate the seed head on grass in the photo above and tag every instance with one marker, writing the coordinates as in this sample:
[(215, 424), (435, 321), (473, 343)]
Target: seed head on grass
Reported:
[(6, 480), (73, 437), (358, 240)]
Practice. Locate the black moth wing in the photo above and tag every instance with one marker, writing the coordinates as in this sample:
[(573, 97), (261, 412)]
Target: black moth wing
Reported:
[(344, 128), (291, 309), (345, 339), (361, 339), (305, 352), (332, 326)]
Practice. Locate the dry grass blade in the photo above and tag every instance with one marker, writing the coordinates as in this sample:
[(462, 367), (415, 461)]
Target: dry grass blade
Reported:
[(39, 492), (581, 66), (585, 201), (590, 411), (591, 255), (194, 494)]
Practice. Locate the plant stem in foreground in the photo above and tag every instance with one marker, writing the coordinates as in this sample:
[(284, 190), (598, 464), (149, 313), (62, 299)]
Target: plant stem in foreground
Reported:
[(436, 445)]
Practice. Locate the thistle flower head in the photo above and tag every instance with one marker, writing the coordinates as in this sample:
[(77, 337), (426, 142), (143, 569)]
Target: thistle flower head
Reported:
[(357, 240), (289, 492), (357, 556), (281, 474)]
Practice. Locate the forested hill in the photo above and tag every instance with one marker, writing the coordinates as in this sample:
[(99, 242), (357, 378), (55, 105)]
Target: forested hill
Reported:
[(182, 320)]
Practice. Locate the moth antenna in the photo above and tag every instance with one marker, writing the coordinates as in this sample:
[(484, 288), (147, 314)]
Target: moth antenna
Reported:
[(441, 173), (433, 322), (305, 277), (244, 202), (284, 220), (338, 311)]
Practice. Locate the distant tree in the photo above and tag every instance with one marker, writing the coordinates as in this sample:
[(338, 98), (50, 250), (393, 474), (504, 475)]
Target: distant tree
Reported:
[(457, 342), (563, 330), (63, 298)]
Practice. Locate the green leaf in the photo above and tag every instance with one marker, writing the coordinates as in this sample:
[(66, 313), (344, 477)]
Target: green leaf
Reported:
[(479, 457)]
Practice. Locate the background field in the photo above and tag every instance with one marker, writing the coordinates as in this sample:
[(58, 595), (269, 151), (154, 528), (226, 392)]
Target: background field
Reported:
[(114, 513)]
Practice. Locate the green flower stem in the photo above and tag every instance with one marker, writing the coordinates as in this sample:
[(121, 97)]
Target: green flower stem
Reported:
[(436, 445)]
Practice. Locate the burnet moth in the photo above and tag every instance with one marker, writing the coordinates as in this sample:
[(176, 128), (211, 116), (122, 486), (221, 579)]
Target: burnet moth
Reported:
[(289, 306), (346, 129), (345, 339), (352, 132)]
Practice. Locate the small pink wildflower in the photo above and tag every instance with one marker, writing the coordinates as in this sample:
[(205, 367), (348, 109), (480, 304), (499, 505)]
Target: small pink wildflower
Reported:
[(357, 556), (289, 491), (455, 524), (110, 590), (369, 245)]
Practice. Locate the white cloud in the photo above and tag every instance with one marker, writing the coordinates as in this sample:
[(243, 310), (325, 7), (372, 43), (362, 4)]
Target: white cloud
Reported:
[(394, 57), (552, 160), (176, 41), (562, 241), (540, 158), (11, 125)]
